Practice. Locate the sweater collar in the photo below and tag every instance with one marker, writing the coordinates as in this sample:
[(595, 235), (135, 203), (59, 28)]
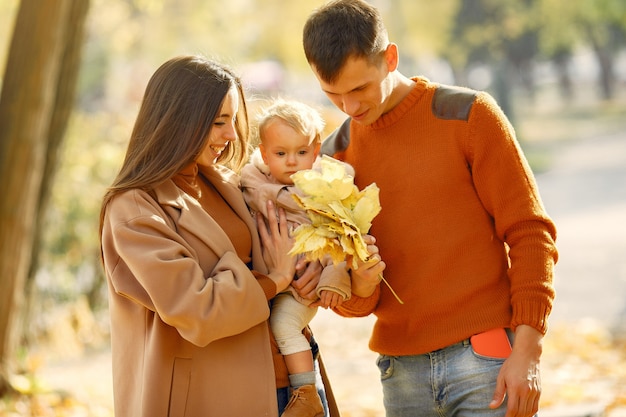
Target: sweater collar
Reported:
[(187, 180), (416, 93)]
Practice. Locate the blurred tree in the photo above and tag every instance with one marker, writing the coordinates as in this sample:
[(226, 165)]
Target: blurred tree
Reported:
[(558, 38), (604, 26), (37, 95), (499, 34), (600, 24), (420, 29), (8, 9)]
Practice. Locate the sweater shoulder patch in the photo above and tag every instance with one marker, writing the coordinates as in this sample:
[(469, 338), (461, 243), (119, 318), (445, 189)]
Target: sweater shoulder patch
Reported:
[(338, 140), (453, 103)]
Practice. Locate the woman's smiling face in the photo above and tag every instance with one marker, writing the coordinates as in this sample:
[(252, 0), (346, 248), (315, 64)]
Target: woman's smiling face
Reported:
[(222, 131)]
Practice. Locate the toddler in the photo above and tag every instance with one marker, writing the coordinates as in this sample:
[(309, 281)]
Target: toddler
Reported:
[(289, 134)]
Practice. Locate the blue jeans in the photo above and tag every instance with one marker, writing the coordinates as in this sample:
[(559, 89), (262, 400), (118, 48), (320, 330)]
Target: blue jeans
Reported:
[(453, 381)]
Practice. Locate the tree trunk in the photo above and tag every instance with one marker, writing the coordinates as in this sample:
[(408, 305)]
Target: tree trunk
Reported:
[(64, 101), (502, 86), (561, 62), (607, 75), (33, 86), (602, 49)]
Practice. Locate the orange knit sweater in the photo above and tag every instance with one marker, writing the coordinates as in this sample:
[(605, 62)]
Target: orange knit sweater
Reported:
[(467, 242)]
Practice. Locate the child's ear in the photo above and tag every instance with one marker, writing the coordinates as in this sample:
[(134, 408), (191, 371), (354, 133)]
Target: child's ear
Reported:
[(263, 153), (318, 146)]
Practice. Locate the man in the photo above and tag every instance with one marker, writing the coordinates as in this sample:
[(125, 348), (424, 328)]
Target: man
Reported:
[(466, 242)]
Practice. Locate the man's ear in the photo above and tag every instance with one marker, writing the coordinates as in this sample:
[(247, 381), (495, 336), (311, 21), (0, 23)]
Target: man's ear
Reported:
[(391, 57)]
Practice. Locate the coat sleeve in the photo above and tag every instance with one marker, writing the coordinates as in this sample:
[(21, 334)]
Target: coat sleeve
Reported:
[(257, 189), (149, 263)]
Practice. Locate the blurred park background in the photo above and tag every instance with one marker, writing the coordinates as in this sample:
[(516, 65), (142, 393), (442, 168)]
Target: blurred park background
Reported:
[(74, 72)]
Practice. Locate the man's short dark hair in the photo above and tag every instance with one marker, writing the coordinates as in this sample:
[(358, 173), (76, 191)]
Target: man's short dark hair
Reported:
[(342, 29)]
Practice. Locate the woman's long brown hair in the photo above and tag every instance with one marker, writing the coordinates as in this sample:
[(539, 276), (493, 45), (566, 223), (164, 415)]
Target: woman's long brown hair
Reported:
[(181, 101)]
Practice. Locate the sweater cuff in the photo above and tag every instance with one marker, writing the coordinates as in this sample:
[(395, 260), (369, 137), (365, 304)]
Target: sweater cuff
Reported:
[(533, 314), (359, 306), (268, 286)]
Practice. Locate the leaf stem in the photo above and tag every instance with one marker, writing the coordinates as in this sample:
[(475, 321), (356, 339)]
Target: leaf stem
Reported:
[(390, 289)]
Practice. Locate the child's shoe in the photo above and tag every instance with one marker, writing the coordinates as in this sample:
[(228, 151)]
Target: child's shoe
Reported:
[(304, 402)]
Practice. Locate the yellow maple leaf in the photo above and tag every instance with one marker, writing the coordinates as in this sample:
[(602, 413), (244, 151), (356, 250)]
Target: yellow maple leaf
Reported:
[(330, 184), (366, 207)]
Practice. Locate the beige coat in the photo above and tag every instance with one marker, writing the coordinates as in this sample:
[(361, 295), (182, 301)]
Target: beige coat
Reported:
[(188, 318)]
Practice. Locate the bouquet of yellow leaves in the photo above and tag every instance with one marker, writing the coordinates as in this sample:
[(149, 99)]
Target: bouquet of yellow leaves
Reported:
[(339, 214)]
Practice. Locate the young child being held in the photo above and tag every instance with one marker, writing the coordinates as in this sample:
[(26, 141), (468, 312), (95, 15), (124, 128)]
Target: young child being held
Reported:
[(289, 141)]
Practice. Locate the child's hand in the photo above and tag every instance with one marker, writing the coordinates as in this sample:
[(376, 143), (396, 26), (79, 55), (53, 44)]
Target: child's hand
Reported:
[(330, 299)]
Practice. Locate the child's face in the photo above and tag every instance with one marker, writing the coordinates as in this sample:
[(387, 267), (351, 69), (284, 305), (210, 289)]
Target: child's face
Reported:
[(286, 151)]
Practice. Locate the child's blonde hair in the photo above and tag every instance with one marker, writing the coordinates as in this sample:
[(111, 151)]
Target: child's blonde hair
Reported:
[(303, 118)]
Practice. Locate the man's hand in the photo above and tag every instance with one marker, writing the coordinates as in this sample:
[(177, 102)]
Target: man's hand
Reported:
[(519, 378), (367, 275)]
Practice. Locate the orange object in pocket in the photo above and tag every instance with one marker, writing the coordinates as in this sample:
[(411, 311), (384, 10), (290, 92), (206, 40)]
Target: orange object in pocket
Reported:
[(493, 343)]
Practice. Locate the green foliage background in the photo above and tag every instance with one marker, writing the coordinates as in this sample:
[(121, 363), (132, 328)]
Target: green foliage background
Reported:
[(128, 39)]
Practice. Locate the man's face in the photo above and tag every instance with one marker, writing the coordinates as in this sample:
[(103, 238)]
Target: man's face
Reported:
[(361, 90)]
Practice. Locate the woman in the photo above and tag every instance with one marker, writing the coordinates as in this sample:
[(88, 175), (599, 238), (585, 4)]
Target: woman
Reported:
[(188, 282)]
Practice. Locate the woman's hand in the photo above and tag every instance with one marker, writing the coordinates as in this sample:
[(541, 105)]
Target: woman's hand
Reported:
[(276, 245), (308, 278), (367, 275)]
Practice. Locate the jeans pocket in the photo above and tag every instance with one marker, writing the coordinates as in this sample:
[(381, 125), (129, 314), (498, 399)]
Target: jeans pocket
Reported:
[(385, 366)]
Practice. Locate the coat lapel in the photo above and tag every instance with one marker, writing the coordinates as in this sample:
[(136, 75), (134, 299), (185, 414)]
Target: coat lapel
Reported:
[(191, 218), (227, 184)]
